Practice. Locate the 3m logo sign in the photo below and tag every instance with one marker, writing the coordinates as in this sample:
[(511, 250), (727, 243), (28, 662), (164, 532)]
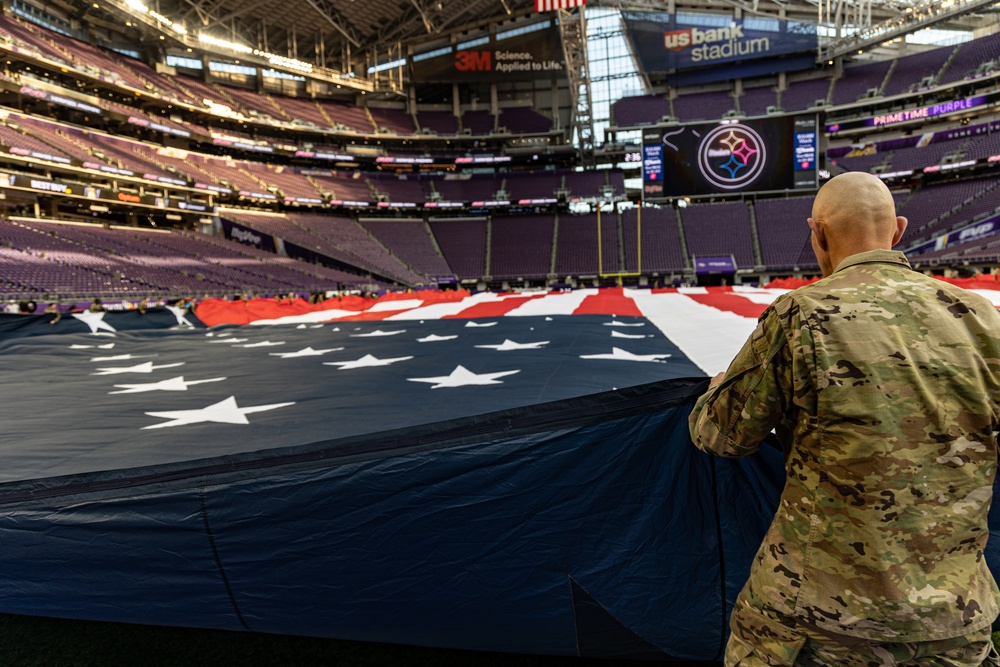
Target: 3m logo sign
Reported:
[(473, 61)]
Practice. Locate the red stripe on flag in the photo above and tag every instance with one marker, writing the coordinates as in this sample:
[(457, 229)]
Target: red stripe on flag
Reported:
[(610, 301), (730, 302)]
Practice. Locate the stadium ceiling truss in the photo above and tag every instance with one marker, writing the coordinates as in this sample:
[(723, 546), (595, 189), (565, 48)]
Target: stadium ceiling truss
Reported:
[(338, 35), (341, 39)]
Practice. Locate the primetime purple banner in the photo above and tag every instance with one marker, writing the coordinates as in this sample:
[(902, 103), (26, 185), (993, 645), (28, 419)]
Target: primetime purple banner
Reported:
[(665, 42)]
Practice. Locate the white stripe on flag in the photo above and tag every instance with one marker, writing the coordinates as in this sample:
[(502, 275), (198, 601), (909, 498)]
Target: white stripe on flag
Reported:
[(402, 304), (436, 311), (708, 336), (553, 304)]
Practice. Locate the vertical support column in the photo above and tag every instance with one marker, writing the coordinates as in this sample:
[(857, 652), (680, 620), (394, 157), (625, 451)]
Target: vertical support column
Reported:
[(573, 29), (555, 105)]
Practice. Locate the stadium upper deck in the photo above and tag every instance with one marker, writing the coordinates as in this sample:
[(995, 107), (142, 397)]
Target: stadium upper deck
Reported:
[(87, 129)]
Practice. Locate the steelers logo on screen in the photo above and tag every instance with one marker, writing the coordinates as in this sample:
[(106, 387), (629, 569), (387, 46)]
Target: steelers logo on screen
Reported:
[(732, 157)]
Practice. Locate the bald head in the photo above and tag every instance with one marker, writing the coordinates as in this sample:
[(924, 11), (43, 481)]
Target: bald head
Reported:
[(852, 213)]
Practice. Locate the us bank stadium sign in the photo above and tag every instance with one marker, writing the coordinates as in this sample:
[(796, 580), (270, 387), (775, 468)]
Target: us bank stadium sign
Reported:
[(666, 42)]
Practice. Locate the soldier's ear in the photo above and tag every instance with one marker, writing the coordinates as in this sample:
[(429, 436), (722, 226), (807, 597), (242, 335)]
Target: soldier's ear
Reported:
[(819, 233), (900, 228)]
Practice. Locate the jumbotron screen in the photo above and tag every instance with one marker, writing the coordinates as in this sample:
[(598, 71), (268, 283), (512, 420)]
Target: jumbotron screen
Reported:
[(758, 155)]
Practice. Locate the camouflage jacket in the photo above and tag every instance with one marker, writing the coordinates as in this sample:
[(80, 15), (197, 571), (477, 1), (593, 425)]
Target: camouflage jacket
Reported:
[(883, 387)]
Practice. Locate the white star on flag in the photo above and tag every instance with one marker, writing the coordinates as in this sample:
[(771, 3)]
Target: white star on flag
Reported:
[(305, 352), (147, 367), (434, 338), (173, 384), (462, 376), (508, 345), (119, 357), (377, 333), (180, 314), (95, 321), (229, 340), (106, 346), (619, 334), (263, 343), (616, 323), (366, 361), (619, 354), (223, 412), (477, 324)]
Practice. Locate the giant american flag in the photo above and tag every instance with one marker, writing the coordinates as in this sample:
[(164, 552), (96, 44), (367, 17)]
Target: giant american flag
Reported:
[(488, 471)]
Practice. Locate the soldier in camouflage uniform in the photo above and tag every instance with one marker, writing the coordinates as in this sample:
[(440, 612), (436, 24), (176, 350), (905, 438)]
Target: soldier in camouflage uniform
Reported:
[(883, 387)]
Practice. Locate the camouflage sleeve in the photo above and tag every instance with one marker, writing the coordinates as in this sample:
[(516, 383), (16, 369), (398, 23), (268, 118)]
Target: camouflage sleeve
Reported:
[(732, 418)]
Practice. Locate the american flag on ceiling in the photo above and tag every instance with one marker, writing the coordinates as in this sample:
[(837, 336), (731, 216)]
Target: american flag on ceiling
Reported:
[(553, 5)]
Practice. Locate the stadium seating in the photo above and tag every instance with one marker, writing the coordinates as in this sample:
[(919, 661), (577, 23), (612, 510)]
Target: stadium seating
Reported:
[(398, 189), (917, 157), (755, 101), (576, 245), (984, 146), (784, 233), (639, 110), (18, 142), (478, 122), (439, 122), (703, 106), (412, 242), (463, 243), (347, 236), (911, 70), (719, 230), (343, 186), (661, 244), (859, 80), (585, 183), (65, 261), (521, 247), (970, 57), (512, 245), (523, 120), (475, 188), (533, 185), (803, 94), (397, 121)]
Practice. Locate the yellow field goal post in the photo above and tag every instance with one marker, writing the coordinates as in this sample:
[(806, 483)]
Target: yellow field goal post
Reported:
[(600, 248)]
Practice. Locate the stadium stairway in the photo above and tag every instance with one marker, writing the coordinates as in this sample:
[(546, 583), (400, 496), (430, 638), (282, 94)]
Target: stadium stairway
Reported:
[(555, 240), (758, 253), (683, 239), (489, 248)]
